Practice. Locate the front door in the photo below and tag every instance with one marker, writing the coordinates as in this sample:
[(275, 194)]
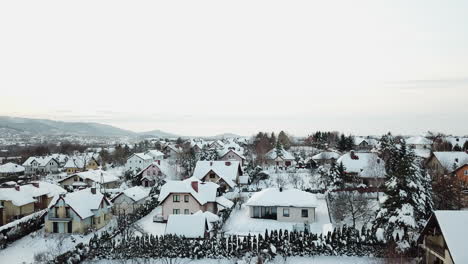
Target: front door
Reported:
[(70, 227)]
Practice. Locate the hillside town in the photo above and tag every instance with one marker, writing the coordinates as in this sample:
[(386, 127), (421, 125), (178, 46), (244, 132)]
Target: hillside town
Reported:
[(353, 198)]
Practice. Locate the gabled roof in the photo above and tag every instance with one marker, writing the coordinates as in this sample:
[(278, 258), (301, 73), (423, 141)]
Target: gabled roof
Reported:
[(326, 155), (191, 226), (98, 176), (370, 141), (166, 169), (154, 153), (226, 170), (367, 165), (418, 140), (136, 193), (29, 161), (273, 155), (451, 160), (11, 168), (142, 156), (28, 193), (223, 153), (206, 191), (83, 202), (455, 232), (74, 162), (286, 198)]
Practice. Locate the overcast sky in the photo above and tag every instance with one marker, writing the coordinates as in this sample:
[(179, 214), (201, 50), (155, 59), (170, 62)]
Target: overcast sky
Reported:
[(208, 67)]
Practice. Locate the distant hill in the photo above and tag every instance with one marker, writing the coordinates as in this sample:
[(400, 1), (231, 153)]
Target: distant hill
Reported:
[(51, 127), (224, 135), (157, 133)]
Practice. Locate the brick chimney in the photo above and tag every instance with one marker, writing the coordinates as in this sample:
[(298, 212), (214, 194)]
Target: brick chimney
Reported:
[(93, 190), (159, 162), (228, 163), (35, 184), (211, 163), (195, 185), (353, 155), (17, 187)]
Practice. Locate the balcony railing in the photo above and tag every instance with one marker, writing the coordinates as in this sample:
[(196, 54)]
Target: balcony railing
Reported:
[(60, 219)]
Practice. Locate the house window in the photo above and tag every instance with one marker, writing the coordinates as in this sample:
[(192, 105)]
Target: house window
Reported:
[(75, 179), (176, 198), (175, 211), (186, 198), (186, 211), (286, 212), (466, 172), (305, 213), (212, 175)]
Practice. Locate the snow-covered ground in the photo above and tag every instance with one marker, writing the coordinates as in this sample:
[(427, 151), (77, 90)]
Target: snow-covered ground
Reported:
[(240, 223), (301, 179), (146, 224), (278, 260), (40, 242)]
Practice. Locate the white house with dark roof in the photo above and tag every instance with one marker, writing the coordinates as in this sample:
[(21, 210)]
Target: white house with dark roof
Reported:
[(443, 239), (283, 205), (190, 196), (224, 173), (366, 166), (78, 212)]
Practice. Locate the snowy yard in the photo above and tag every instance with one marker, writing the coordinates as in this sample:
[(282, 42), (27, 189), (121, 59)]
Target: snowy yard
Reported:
[(278, 260), (301, 179), (239, 223), (39, 242), (146, 224)]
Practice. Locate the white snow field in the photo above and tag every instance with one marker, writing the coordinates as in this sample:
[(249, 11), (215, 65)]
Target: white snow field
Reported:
[(239, 223), (146, 224), (40, 242)]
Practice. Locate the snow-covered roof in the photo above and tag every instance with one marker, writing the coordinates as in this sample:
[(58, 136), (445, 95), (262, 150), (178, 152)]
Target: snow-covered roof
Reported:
[(226, 170), (74, 162), (98, 176), (154, 153), (224, 202), (244, 179), (191, 226), (451, 160), (418, 140), (11, 168), (326, 155), (28, 193), (455, 231), (285, 155), (210, 217), (136, 193), (366, 165), (370, 141), (206, 191), (423, 153), (460, 141), (28, 161), (42, 161), (84, 202), (225, 151), (143, 156), (166, 168), (286, 198)]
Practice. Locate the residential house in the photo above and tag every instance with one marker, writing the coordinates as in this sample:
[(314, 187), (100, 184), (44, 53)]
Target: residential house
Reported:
[(24, 200), (172, 152), (366, 167), (196, 225), (283, 205), (41, 165), (443, 238), (11, 169), (364, 144), (90, 178), (156, 171), (138, 161), (231, 155), (456, 142), (325, 157), (445, 162), (129, 200), (78, 212), (156, 154), (279, 158), (224, 173), (419, 142), (81, 163), (190, 196), (462, 174)]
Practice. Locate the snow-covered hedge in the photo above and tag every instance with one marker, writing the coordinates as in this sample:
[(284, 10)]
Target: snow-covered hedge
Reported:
[(21, 227), (343, 242)]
